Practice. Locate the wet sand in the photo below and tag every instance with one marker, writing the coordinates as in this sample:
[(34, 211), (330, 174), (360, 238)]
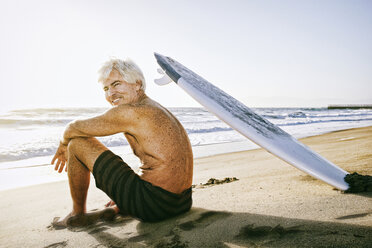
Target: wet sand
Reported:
[(271, 204)]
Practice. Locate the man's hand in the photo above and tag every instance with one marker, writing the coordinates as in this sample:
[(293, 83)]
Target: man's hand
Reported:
[(61, 157)]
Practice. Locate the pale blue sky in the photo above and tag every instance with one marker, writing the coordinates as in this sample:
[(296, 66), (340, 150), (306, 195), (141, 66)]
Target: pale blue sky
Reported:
[(264, 53)]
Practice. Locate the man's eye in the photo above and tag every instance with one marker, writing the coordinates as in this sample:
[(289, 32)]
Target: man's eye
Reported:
[(116, 84)]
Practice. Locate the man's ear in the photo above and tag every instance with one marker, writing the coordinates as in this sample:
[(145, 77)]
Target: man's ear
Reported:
[(138, 84)]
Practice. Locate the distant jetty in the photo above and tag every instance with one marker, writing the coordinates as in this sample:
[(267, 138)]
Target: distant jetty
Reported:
[(351, 106)]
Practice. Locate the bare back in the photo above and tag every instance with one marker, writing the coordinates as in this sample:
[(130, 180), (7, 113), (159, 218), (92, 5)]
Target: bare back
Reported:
[(162, 145)]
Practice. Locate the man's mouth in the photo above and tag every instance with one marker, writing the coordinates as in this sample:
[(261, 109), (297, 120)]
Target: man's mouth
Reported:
[(115, 101)]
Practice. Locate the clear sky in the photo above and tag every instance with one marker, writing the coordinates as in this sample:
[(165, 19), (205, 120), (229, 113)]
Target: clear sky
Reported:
[(264, 53)]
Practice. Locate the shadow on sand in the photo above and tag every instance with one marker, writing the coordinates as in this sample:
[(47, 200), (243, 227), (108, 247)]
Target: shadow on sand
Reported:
[(204, 228)]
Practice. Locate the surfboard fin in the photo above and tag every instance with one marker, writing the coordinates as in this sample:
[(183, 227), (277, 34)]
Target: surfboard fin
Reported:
[(165, 79)]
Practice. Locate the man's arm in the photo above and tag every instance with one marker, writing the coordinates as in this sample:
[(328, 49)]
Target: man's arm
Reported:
[(115, 120)]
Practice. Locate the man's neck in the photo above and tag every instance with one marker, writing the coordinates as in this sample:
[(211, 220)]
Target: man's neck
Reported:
[(141, 96)]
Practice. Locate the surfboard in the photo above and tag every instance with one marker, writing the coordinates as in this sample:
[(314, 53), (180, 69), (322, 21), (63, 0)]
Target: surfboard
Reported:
[(251, 125)]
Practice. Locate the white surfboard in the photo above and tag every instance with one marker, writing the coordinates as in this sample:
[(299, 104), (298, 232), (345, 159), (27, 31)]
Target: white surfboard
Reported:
[(251, 125)]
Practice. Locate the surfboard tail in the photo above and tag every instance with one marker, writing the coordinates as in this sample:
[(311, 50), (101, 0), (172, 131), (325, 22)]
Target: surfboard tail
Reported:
[(166, 67)]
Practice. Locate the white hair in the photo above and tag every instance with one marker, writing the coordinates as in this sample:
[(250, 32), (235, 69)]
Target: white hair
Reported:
[(130, 72)]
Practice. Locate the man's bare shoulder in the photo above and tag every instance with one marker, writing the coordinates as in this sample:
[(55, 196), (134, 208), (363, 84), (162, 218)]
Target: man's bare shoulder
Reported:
[(146, 107), (152, 107)]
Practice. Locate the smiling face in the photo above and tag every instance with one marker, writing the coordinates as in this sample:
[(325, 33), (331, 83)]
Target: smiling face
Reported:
[(118, 91)]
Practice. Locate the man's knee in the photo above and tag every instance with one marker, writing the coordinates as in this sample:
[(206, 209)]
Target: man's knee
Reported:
[(86, 150), (82, 145), (76, 144)]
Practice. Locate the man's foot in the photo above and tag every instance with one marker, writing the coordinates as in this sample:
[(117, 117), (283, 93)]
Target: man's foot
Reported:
[(86, 219), (112, 204)]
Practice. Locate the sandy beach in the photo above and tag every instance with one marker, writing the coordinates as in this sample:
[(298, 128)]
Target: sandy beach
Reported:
[(272, 204)]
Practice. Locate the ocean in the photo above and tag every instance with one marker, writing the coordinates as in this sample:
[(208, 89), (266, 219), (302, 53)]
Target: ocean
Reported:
[(29, 137)]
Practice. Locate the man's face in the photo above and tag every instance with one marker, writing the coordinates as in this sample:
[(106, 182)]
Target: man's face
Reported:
[(118, 91)]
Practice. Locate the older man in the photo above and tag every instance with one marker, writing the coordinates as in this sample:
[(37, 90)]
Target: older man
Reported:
[(163, 188)]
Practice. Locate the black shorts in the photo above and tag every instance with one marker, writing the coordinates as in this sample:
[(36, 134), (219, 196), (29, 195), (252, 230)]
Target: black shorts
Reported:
[(134, 196)]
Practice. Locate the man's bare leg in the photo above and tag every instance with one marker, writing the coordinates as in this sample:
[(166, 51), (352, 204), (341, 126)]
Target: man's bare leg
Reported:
[(79, 178), (82, 154)]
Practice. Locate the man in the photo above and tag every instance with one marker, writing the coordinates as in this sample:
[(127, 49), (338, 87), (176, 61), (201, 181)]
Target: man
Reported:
[(162, 189)]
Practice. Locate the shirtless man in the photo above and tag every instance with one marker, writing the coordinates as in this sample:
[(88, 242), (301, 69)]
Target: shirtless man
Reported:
[(162, 189)]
